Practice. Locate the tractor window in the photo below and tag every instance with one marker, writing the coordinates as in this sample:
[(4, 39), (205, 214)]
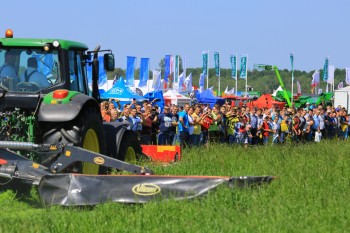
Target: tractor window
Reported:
[(28, 69), (76, 72)]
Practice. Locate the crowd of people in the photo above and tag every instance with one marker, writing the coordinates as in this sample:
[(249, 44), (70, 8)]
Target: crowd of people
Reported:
[(202, 125)]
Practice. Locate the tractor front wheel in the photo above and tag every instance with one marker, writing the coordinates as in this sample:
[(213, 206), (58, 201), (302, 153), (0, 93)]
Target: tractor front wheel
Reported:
[(85, 131)]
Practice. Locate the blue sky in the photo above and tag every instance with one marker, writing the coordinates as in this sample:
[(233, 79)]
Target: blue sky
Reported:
[(266, 30)]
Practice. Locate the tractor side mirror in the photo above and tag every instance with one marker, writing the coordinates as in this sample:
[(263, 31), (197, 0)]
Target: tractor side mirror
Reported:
[(108, 61)]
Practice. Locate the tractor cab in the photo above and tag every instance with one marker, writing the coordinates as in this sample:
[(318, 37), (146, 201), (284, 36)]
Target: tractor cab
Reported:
[(44, 65)]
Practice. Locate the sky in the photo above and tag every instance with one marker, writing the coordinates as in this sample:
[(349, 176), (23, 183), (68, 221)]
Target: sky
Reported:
[(267, 30)]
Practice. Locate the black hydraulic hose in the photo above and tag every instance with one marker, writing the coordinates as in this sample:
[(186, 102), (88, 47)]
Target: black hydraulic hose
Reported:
[(28, 146)]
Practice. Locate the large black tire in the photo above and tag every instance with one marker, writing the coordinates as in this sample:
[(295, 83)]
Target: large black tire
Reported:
[(84, 131), (130, 148), (122, 144)]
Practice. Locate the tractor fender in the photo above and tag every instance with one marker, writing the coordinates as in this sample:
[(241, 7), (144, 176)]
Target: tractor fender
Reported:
[(63, 112), (114, 132)]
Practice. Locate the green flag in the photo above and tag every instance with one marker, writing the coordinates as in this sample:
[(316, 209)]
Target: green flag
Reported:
[(205, 62), (243, 71), (217, 63), (233, 60)]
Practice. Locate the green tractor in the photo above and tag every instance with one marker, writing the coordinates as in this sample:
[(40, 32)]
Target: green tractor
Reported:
[(63, 108)]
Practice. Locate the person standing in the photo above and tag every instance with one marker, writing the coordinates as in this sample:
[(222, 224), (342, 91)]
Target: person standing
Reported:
[(197, 120), (165, 126), (173, 133), (184, 127)]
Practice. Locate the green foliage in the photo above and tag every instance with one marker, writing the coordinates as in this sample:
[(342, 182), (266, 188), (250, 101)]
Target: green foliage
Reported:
[(310, 194)]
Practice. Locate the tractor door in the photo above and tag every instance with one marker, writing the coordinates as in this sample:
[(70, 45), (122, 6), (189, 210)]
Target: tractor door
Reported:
[(77, 71)]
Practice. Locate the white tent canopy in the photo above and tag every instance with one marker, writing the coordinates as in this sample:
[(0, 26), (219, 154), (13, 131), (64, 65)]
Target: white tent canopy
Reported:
[(173, 97)]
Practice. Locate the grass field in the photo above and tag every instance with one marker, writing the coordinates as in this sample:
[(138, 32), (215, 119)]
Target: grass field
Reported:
[(311, 194)]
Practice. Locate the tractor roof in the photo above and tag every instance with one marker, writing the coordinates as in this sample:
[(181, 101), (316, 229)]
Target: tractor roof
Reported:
[(65, 44)]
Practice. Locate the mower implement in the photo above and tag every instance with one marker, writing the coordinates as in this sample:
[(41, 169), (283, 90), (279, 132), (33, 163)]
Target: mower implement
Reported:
[(71, 189)]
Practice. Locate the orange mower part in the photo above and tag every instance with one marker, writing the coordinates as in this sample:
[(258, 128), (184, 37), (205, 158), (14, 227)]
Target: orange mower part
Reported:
[(163, 154)]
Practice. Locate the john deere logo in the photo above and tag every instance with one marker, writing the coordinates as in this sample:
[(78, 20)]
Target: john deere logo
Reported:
[(99, 160), (146, 189), (117, 91)]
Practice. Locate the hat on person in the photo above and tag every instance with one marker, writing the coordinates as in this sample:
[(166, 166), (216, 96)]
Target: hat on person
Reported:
[(307, 103)]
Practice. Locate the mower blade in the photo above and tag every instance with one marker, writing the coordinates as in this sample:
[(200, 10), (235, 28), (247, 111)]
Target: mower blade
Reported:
[(74, 189)]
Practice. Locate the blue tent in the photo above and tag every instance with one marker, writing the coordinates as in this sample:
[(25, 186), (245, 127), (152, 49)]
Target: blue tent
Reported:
[(156, 95), (122, 92), (207, 97)]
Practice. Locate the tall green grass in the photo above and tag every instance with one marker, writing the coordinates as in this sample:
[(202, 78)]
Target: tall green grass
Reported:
[(311, 194)]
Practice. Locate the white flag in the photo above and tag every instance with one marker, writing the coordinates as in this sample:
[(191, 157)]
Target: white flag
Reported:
[(156, 79), (188, 82), (181, 82), (211, 88), (226, 90), (330, 79), (315, 78), (347, 76), (299, 88), (232, 91), (201, 80)]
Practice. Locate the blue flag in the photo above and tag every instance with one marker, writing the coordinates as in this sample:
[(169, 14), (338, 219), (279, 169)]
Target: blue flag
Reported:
[(167, 68), (144, 70), (130, 68)]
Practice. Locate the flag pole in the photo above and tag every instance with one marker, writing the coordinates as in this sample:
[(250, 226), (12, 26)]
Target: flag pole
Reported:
[(208, 70), (292, 61), (246, 77), (236, 74)]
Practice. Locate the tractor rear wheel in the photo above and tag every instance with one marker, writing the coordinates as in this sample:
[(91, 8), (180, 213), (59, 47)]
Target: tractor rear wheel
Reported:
[(85, 131), (130, 148)]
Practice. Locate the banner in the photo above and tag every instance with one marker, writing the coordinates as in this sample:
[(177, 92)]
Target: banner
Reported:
[(233, 60), (347, 76), (188, 82), (176, 74), (243, 71), (156, 79), (130, 69), (144, 70), (205, 62), (330, 74), (201, 80), (217, 63), (325, 70), (166, 68)]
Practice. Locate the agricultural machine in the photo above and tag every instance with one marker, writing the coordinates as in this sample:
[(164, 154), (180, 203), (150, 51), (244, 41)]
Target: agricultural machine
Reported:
[(275, 68), (53, 136)]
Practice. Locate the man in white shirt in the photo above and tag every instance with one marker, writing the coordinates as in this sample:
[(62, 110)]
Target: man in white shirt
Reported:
[(33, 75)]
